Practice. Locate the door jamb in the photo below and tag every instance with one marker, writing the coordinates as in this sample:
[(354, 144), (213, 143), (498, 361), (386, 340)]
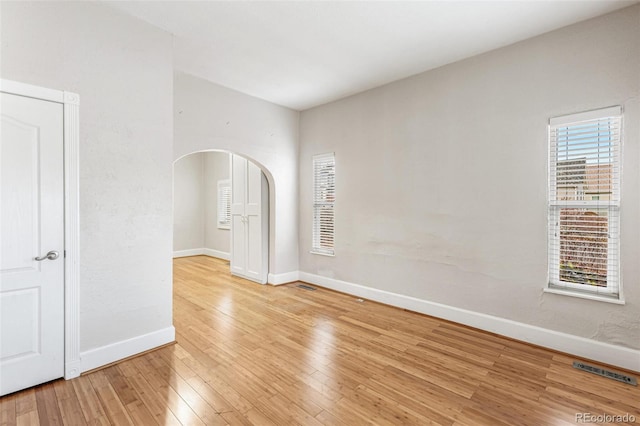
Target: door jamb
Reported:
[(71, 142)]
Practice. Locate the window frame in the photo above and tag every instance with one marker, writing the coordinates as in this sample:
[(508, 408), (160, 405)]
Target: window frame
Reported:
[(316, 232), (223, 221), (613, 291)]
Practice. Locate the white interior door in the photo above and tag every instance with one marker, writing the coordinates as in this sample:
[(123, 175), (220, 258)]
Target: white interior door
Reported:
[(32, 225), (249, 220)]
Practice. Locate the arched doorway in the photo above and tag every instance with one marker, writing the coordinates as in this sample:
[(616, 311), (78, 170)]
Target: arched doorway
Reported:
[(223, 209)]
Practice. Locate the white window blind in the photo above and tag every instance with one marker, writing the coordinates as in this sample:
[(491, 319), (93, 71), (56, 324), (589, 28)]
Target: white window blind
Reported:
[(224, 204), (584, 201), (324, 195)]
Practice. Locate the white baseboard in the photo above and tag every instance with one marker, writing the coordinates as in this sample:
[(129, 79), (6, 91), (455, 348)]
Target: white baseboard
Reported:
[(72, 369), (202, 252), (582, 347), (104, 355), (187, 253), (216, 253), (287, 277)]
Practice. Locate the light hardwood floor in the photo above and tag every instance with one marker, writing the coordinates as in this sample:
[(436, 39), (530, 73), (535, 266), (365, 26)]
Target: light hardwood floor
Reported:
[(263, 355)]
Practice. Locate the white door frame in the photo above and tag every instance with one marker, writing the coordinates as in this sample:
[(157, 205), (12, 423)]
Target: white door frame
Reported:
[(71, 103)]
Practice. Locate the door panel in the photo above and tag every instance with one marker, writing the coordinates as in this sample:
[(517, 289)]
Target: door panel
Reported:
[(31, 224), (20, 307), (254, 252), (20, 202), (238, 246)]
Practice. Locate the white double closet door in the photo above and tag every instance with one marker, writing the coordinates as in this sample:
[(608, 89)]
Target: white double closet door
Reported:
[(32, 248), (249, 221)]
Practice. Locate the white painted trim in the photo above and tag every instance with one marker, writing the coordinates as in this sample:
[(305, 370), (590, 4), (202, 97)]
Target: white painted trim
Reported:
[(113, 352), (30, 91), (583, 295), (319, 253), (223, 184), (187, 253), (279, 279), (579, 346), (71, 102), (72, 234), (216, 253), (612, 111), (202, 252)]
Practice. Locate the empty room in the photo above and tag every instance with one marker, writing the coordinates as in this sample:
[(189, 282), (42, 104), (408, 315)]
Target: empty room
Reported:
[(320, 212)]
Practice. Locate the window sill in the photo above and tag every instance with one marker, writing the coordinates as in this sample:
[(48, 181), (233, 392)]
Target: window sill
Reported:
[(582, 295), (322, 254)]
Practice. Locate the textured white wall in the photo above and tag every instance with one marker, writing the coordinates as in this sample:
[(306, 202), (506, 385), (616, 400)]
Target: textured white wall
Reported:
[(122, 70), (442, 178), (188, 203), (216, 168), (209, 116), (195, 202)]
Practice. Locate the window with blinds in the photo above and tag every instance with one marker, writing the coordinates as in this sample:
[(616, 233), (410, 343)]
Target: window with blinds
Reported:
[(584, 201), (224, 204), (324, 196)]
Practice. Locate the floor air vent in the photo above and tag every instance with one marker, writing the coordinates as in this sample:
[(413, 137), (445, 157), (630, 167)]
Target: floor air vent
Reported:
[(306, 287), (606, 373)]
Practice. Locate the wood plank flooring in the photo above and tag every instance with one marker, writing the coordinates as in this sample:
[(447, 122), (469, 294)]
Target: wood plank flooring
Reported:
[(248, 354)]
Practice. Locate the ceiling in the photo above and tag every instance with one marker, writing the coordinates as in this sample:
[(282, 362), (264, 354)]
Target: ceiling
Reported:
[(301, 54)]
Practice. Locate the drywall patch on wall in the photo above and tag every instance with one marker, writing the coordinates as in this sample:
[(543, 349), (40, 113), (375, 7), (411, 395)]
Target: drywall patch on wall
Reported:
[(616, 329), (441, 178)]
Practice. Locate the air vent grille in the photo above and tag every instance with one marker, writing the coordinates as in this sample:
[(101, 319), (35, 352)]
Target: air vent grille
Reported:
[(306, 287), (606, 373)]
